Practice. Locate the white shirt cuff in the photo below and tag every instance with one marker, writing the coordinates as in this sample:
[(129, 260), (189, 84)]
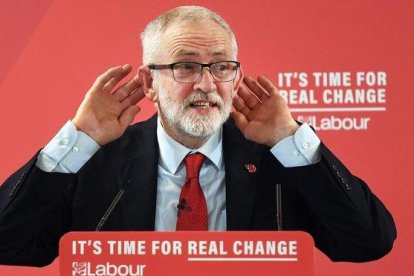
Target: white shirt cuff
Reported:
[(300, 149), (68, 151)]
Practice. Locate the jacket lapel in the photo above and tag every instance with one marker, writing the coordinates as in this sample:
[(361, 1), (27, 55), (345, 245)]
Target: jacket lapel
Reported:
[(242, 167), (139, 174)]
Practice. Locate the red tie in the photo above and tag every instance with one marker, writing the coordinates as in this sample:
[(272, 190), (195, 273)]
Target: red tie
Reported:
[(192, 208)]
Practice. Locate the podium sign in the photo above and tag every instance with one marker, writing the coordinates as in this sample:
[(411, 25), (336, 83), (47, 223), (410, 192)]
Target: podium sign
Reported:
[(186, 253)]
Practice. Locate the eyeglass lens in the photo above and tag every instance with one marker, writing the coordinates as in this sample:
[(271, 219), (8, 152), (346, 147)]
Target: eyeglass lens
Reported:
[(191, 71)]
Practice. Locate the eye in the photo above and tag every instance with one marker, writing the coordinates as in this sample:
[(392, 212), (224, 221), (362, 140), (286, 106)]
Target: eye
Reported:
[(185, 66), (222, 67)]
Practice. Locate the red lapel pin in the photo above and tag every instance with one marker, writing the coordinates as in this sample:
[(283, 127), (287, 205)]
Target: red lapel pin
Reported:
[(251, 168)]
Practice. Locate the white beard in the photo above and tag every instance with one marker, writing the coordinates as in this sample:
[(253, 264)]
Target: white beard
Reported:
[(180, 117)]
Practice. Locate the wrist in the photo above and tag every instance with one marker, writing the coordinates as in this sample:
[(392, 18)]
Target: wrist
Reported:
[(282, 133)]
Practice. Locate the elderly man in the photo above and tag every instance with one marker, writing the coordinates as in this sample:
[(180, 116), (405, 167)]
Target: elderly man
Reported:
[(189, 167)]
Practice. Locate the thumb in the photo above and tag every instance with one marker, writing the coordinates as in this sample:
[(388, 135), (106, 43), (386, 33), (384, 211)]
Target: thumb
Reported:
[(127, 116), (240, 120)]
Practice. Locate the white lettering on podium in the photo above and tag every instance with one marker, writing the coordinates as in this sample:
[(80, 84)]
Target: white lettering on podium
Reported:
[(206, 248), (166, 247), (261, 248)]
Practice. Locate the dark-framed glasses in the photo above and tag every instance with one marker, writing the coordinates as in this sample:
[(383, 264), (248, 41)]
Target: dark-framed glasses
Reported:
[(221, 71)]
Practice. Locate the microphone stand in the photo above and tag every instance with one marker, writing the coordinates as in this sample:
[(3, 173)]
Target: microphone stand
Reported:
[(279, 206)]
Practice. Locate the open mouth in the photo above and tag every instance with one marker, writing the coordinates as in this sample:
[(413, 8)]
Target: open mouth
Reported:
[(202, 104)]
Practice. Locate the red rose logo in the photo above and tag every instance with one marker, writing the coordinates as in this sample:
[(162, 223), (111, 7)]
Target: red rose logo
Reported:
[(78, 268), (251, 168)]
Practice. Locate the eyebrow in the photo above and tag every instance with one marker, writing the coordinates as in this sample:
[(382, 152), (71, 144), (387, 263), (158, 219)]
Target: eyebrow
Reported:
[(183, 52)]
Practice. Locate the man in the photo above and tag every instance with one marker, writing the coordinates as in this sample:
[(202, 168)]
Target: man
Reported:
[(190, 167)]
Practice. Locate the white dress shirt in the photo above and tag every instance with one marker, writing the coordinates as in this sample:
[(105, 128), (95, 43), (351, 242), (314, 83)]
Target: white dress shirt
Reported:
[(70, 149)]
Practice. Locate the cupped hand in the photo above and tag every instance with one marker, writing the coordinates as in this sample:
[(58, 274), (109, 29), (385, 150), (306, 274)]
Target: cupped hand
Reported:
[(261, 113), (105, 113)]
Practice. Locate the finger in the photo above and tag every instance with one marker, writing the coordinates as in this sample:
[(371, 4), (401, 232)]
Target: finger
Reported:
[(127, 116), (240, 106), (268, 85), (240, 120), (133, 98), (248, 97), (111, 83), (256, 89), (109, 86), (110, 78), (123, 91)]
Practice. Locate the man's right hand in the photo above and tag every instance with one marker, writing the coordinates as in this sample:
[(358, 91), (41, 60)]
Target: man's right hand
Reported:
[(104, 114)]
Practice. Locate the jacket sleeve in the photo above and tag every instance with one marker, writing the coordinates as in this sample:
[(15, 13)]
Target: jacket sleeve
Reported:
[(347, 221), (34, 214)]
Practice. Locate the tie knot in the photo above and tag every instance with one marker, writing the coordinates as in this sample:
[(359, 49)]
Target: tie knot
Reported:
[(193, 163)]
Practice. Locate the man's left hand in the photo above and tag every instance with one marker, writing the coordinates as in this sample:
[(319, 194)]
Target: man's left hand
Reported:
[(261, 114)]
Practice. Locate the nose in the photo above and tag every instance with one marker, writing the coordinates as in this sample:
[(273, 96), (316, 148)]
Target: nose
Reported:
[(205, 82)]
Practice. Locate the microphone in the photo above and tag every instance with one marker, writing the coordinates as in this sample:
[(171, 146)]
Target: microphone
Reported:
[(182, 205), (110, 209)]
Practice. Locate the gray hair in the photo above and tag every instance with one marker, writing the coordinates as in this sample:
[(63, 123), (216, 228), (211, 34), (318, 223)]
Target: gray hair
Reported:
[(151, 36)]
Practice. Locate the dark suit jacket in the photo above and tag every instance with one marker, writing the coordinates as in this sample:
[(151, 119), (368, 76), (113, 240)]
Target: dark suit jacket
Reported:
[(347, 221)]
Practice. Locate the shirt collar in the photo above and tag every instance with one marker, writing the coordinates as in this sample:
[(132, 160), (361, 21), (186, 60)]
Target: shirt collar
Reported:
[(172, 153)]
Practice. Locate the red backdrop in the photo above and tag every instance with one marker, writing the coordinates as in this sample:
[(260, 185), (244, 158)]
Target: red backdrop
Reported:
[(51, 52)]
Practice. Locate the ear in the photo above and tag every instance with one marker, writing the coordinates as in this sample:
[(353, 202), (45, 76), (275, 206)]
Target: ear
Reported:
[(238, 81), (144, 74)]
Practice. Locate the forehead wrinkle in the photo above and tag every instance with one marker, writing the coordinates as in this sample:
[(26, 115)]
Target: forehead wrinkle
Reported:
[(181, 41), (189, 49), (186, 52)]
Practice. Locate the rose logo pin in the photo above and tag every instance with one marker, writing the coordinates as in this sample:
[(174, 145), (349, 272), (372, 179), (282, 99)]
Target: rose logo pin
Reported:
[(251, 168)]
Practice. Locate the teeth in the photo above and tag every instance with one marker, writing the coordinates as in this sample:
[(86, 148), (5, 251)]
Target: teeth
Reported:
[(201, 104)]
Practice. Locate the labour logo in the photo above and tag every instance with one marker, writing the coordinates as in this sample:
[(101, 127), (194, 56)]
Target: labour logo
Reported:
[(78, 268)]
